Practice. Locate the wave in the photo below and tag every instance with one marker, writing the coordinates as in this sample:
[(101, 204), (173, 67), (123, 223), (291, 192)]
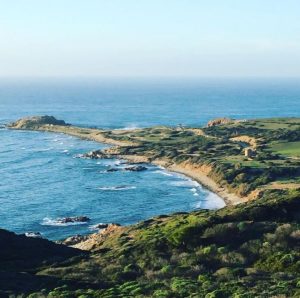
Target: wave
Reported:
[(186, 183), (44, 149), (57, 222), (65, 151), (117, 188), (163, 173), (96, 227), (212, 201), (131, 126)]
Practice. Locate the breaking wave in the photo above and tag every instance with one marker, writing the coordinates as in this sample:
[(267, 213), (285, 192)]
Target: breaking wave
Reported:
[(117, 188), (57, 222)]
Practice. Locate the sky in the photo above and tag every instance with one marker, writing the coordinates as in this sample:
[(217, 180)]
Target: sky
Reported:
[(150, 38)]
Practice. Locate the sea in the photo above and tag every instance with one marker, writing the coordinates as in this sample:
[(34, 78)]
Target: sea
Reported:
[(42, 180)]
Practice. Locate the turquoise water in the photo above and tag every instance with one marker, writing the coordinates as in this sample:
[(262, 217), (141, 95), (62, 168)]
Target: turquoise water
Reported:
[(42, 180)]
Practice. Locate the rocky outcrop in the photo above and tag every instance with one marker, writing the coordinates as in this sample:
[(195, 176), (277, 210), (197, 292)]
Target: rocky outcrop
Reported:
[(135, 169), (73, 240), (93, 241), (96, 154), (35, 122), (128, 169), (73, 219), (220, 121), (101, 226)]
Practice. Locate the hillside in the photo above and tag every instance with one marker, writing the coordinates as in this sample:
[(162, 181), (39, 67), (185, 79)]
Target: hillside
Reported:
[(246, 250), (249, 250), (22, 257)]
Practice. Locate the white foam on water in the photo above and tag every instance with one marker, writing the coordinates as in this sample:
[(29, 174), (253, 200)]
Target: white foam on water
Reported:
[(95, 227), (211, 201), (163, 173), (185, 183), (56, 222), (117, 188), (45, 149)]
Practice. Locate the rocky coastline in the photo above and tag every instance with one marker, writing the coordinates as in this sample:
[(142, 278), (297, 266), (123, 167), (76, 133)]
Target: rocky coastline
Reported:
[(197, 173)]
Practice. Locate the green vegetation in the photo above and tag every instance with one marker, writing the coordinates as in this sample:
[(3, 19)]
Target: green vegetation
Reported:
[(287, 148), (249, 250), (275, 141)]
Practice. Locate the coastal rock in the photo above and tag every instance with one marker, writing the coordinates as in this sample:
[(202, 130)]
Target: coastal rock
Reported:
[(36, 121), (112, 170), (94, 155), (100, 226), (136, 169), (93, 241), (219, 121), (73, 219), (73, 240)]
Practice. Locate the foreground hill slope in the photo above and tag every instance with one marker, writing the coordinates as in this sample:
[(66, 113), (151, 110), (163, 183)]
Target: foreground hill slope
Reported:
[(21, 257), (249, 250)]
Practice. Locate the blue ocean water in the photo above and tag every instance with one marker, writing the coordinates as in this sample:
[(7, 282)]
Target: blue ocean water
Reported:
[(42, 180)]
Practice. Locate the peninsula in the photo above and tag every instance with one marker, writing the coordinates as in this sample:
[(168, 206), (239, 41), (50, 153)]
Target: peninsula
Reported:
[(249, 248), (217, 155)]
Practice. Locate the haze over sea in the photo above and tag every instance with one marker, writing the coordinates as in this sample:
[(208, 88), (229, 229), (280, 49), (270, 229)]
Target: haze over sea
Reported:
[(42, 181)]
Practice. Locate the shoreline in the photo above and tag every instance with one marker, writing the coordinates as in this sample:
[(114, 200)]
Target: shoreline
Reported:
[(195, 172), (210, 184)]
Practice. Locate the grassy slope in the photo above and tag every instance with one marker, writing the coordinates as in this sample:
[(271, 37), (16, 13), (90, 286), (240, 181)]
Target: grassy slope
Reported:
[(249, 250)]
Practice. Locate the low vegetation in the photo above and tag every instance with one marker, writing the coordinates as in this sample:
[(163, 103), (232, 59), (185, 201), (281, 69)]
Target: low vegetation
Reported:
[(249, 250)]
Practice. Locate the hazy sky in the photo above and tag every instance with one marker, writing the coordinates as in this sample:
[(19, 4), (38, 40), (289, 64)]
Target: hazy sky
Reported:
[(150, 38)]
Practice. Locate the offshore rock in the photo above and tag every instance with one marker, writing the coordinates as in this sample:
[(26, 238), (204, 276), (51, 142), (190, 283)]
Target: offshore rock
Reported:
[(35, 122), (136, 169), (74, 219)]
